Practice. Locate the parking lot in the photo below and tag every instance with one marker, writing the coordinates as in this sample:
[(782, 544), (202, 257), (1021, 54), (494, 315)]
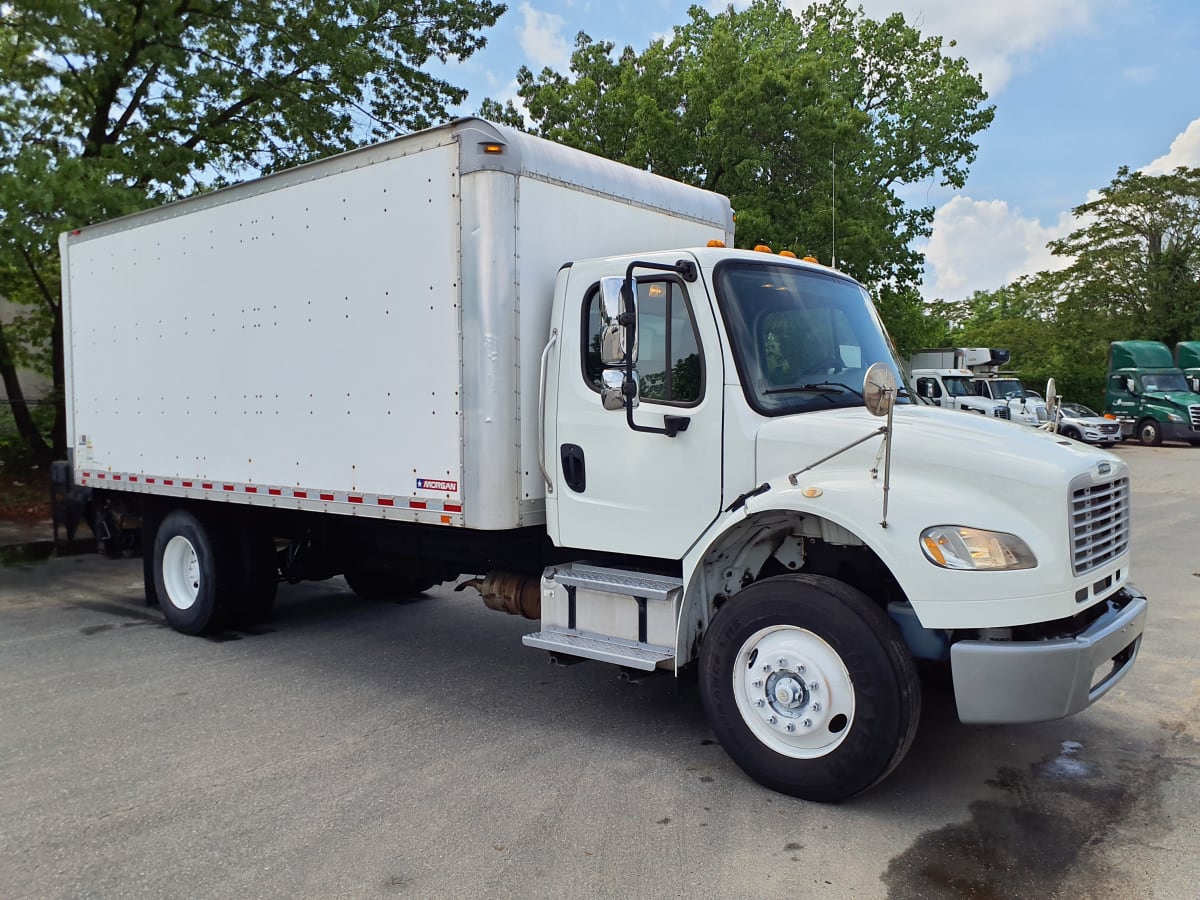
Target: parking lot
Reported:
[(351, 749)]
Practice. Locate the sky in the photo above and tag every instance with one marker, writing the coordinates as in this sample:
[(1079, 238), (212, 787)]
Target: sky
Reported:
[(1081, 87)]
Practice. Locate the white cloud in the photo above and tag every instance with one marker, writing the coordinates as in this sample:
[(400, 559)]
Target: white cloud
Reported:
[(981, 245), (542, 40), (996, 38), (1185, 151)]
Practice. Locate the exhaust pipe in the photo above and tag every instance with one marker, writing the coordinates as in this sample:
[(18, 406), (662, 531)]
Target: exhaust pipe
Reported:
[(517, 595)]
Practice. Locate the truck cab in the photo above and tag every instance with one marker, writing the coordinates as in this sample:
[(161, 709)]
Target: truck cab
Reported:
[(1007, 389), (1149, 396), (952, 389), (1187, 360)]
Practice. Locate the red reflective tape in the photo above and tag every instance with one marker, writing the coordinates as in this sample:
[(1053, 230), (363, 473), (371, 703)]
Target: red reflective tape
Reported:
[(303, 495), (186, 483), (354, 499), (326, 496), (386, 501), (452, 508), (101, 476), (169, 481), (133, 478), (116, 478), (250, 490), (87, 474), (275, 492), (228, 487), (417, 504), (150, 481)]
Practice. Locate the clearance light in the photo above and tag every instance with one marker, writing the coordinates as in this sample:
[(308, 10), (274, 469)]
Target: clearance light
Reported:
[(762, 248), (493, 148), (812, 259), (715, 243), (788, 253), (956, 547)]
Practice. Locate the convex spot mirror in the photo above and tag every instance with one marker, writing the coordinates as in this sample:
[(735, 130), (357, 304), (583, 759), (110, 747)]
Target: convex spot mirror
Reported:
[(879, 389), (612, 392), (614, 344), (1051, 392)]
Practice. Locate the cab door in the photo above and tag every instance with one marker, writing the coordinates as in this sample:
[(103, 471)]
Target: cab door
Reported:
[(620, 490)]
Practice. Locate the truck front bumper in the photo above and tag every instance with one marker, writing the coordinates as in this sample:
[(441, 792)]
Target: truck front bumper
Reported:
[(998, 682)]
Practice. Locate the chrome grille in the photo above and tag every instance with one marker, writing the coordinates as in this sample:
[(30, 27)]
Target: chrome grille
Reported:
[(1195, 413), (1099, 522), (1001, 412)]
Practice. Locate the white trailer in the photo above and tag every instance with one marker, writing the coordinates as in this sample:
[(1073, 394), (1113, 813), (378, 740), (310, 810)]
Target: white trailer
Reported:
[(473, 352)]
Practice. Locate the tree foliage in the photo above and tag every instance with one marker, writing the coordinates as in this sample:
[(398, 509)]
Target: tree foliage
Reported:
[(773, 109), (110, 106)]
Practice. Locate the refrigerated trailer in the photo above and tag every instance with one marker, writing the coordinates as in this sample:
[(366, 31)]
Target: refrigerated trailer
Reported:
[(471, 354)]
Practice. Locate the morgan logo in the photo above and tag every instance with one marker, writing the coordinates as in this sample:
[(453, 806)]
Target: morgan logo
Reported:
[(434, 484)]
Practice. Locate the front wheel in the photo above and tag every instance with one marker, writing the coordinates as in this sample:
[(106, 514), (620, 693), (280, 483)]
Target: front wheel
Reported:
[(1150, 432), (1071, 434), (809, 687)]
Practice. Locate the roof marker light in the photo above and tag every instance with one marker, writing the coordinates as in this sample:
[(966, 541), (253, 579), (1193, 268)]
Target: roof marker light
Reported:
[(762, 248)]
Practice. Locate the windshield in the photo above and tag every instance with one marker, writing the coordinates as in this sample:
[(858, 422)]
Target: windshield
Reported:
[(1077, 411), (1006, 388), (1164, 381), (803, 339), (957, 385)]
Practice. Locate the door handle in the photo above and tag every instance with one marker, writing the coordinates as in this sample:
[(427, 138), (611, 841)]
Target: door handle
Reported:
[(574, 472)]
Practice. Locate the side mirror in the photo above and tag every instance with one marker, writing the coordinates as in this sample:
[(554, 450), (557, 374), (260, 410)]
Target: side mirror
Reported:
[(615, 348), (612, 388), (1130, 386)]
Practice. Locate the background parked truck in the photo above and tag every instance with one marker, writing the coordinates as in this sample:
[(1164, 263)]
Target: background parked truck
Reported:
[(943, 377), (1149, 395), (1187, 360), (473, 352)]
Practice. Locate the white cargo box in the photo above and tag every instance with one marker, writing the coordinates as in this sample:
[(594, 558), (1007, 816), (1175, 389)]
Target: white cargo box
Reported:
[(358, 335)]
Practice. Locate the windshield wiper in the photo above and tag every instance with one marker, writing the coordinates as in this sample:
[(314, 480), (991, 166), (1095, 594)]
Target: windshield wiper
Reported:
[(821, 387)]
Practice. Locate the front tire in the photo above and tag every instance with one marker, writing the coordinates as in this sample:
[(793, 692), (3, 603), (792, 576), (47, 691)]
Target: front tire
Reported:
[(1071, 434), (1149, 432), (809, 687), (194, 569)]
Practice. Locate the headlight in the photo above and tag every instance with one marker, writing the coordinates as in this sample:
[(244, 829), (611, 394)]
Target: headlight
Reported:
[(956, 547), (1174, 417)]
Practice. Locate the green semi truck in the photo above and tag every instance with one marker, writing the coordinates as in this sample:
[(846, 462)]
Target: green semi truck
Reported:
[(1187, 360), (1149, 395)]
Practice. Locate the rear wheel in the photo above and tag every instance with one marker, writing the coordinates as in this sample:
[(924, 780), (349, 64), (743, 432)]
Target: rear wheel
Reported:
[(809, 687), (1149, 432), (1069, 432), (194, 569)]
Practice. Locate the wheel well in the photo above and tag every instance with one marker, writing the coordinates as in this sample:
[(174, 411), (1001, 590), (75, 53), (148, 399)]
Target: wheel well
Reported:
[(776, 543)]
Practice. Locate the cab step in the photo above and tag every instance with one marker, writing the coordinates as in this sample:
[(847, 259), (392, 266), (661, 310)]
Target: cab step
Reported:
[(634, 655)]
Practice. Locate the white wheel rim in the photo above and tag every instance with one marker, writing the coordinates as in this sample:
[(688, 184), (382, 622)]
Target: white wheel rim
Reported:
[(794, 692), (181, 572)]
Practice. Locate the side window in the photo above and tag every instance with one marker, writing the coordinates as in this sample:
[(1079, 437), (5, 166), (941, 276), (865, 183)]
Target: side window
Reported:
[(928, 387), (669, 366)]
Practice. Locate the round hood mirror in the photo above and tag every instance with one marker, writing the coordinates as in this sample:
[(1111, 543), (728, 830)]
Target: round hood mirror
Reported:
[(879, 389)]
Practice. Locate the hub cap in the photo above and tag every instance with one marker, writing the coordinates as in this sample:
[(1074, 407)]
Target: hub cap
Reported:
[(793, 692), (181, 572)]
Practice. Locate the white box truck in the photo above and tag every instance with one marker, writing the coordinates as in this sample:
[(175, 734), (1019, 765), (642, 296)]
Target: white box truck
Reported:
[(472, 352)]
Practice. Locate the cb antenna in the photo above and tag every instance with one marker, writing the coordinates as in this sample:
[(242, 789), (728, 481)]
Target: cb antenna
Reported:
[(833, 214)]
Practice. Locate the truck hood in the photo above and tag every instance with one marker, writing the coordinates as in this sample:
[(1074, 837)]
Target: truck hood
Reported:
[(951, 444), (1182, 399)]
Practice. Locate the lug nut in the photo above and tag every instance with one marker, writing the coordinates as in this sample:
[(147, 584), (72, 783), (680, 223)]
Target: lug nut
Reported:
[(771, 720), (767, 667), (816, 707), (759, 702), (800, 668), (791, 726), (812, 685), (807, 723), (757, 682), (783, 662)]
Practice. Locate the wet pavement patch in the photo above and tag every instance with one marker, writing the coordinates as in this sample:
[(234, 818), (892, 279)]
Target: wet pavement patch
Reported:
[(1028, 840)]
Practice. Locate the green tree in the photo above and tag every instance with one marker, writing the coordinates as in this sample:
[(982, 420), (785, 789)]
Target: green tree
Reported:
[(1135, 271), (110, 106), (771, 108)]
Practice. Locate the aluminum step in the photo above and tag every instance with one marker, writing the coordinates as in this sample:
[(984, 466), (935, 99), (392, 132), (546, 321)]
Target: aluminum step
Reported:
[(605, 649), (616, 581)]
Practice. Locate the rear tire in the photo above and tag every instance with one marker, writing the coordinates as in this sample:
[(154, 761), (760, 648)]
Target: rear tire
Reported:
[(809, 687), (1149, 432), (1070, 433), (194, 569)]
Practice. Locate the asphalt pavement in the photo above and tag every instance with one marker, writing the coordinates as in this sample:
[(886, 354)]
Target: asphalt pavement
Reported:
[(352, 749)]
